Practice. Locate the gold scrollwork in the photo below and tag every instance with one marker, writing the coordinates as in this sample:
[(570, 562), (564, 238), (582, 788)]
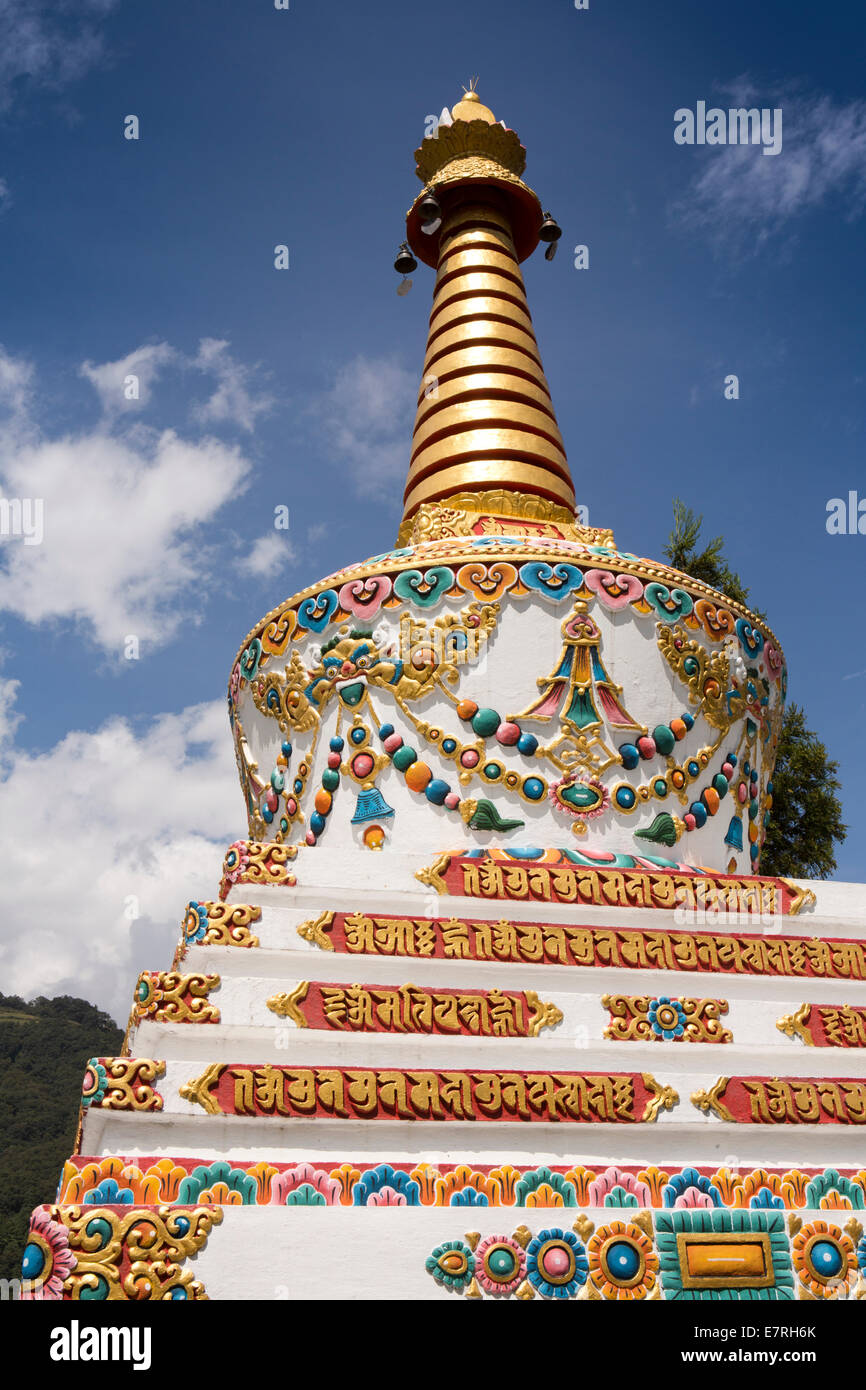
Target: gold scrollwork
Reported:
[(228, 924), (706, 675), (141, 1255), (700, 1019), (129, 1083), (164, 996)]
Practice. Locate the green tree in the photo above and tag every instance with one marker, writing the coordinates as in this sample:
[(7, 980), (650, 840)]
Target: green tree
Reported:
[(44, 1048), (806, 817)]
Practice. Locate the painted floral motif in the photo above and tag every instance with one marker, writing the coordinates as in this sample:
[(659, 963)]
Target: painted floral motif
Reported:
[(824, 1259), (94, 1084), (556, 1263), (285, 1185), (623, 1263), (616, 1188), (452, 1264), (236, 1188), (384, 1176), (667, 1018), (109, 1191), (500, 1265), (690, 1189), (195, 922), (424, 1184), (236, 860), (47, 1258)]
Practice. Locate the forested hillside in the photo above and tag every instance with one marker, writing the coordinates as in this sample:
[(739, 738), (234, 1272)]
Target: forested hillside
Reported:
[(44, 1047)]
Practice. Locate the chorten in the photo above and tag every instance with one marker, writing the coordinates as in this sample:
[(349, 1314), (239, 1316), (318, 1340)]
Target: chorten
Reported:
[(497, 952)]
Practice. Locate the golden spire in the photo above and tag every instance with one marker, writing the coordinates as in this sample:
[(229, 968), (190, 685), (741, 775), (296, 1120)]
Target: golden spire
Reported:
[(485, 438)]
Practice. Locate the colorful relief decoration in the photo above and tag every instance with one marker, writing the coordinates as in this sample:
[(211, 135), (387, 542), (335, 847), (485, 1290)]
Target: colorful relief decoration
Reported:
[(121, 1180), (409, 1009), (623, 1264), (110, 1253), (826, 1025), (164, 996), (552, 1264), (764, 1100), (472, 876), (248, 862), (548, 943), (121, 1083), (739, 683), (339, 1093), (641, 1017), (614, 1262), (692, 1256), (709, 1255), (826, 1259), (219, 924)]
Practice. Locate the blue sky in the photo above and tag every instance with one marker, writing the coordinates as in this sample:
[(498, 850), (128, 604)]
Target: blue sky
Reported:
[(262, 387)]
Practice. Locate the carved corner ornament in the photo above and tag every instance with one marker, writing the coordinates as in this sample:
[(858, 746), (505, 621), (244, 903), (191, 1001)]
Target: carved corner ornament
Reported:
[(797, 1025), (314, 931), (662, 1098), (432, 876), (200, 1090), (800, 897), (544, 1015), (286, 1005), (712, 1100)]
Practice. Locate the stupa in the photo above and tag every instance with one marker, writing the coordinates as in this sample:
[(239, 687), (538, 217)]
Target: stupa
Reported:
[(494, 1001)]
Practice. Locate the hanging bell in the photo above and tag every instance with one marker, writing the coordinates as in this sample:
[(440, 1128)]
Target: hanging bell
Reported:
[(734, 837), (549, 230), (371, 806), (405, 262), (430, 214)]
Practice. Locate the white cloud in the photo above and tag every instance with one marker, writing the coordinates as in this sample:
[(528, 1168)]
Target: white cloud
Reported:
[(16, 390), (48, 45), (122, 523), (111, 380), (233, 401), (141, 825), (268, 555), (742, 199), (126, 520), (366, 420)]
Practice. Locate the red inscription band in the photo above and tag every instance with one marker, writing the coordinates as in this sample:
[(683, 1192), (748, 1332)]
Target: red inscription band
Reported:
[(547, 943), (789, 1100), (361, 1094), (410, 1009), (461, 876)]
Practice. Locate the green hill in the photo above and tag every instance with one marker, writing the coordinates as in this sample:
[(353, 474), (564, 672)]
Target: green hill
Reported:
[(44, 1047)]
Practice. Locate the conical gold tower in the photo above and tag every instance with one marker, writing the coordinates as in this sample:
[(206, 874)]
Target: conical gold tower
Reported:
[(486, 445)]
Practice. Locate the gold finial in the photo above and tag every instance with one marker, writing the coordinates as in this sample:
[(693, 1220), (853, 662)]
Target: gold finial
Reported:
[(471, 108)]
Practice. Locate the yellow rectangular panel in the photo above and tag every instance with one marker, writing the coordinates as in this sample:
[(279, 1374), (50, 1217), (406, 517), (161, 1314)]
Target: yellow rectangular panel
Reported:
[(732, 1260)]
